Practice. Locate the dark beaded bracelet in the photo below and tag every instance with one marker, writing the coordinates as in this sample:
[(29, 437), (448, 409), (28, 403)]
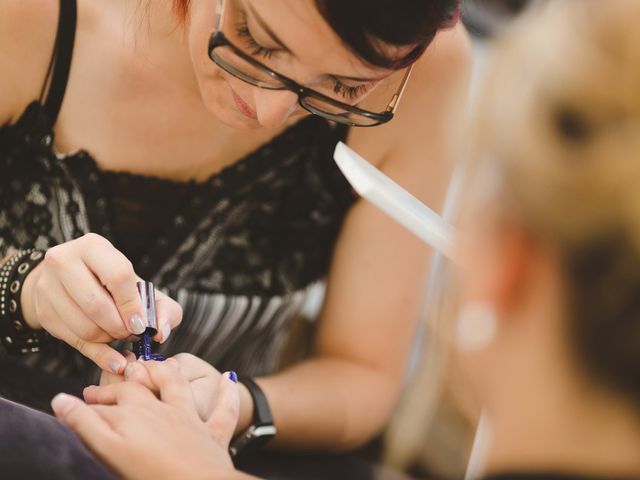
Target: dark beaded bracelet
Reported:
[(16, 335)]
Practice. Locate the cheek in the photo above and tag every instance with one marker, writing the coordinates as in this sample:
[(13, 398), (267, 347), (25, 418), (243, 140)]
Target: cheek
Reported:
[(203, 67)]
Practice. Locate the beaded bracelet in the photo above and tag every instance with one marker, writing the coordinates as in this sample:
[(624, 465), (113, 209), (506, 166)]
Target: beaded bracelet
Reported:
[(16, 335)]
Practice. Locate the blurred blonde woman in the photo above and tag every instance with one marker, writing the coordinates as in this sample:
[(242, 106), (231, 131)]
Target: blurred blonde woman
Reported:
[(548, 329)]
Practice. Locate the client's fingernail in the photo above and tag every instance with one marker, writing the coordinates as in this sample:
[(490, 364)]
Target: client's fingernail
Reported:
[(114, 366), (172, 361), (62, 404), (166, 331), (233, 376), (137, 324), (129, 369)]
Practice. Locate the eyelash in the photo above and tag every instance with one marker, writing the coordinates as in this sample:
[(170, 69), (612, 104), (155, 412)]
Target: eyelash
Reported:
[(339, 88), (242, 29), (349, 92)]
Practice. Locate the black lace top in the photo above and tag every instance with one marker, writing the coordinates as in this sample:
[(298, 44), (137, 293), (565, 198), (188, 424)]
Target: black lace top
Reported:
[(240, 251)]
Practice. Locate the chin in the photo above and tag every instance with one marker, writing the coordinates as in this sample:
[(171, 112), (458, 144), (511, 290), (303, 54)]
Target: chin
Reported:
[(234, 119), (221, 106), (225, 111)]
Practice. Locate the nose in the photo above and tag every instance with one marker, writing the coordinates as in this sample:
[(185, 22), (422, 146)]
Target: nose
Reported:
[(273, 107)]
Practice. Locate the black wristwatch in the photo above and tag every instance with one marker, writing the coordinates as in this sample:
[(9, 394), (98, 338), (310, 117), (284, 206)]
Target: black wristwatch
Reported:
[(262, 430)]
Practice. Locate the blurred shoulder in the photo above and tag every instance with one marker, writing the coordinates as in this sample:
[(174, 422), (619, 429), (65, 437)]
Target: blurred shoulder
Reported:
[(27, 36), (435, 98)]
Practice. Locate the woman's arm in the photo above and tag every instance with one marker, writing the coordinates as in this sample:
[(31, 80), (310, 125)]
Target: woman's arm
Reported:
[(343, 395)]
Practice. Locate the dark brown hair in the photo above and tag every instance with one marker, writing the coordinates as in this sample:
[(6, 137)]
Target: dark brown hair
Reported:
[(367, 26)]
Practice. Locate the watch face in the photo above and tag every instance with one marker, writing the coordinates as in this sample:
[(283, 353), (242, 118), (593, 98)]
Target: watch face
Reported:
[(255, 436), (264, 430)]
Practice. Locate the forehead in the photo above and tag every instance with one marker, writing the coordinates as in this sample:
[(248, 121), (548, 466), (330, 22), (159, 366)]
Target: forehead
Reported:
[(303, 29)]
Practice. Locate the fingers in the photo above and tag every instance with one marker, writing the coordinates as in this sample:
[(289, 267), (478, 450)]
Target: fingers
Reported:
[(169, 316), (100, 395), (134, 372), (87, 293), (118, 394), (58, 308), (193, 367), (224, 417), (101, 354), (85, 421), (173, 386), (107, 378), (82, 266), (116, 273)]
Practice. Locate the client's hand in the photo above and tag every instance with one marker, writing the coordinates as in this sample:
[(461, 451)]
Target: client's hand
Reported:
[(202, 377), (139, 436)]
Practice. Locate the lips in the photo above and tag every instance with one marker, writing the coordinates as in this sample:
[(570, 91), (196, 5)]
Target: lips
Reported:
[(243, 107)]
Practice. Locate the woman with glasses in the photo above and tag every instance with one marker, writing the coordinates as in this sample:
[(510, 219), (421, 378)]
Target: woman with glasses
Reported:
[(190, 143)]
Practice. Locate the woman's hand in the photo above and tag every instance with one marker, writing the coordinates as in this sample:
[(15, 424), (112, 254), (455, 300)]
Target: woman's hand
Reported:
[(84, 293), (202, 377), (140, 436)]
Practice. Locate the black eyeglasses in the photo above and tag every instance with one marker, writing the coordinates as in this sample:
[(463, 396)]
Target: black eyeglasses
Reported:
[(244, 67)]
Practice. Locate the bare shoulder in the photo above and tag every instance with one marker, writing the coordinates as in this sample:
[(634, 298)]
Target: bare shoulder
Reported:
[(436, 97), (27, 36)]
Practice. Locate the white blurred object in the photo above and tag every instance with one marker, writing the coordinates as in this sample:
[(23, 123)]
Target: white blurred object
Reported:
[(479, 452), (395, 201)]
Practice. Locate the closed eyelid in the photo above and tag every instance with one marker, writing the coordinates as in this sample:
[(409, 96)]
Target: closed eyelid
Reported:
[(263, 25)]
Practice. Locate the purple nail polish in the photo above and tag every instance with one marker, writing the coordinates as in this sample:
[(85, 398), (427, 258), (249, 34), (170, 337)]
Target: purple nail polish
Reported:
[(233, 376)]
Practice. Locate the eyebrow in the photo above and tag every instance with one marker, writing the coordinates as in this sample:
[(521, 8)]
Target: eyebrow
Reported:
[(268, 30), (260, 21)]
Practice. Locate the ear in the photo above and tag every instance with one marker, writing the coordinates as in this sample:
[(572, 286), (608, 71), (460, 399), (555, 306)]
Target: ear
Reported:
[(515, 256), (499, 266)]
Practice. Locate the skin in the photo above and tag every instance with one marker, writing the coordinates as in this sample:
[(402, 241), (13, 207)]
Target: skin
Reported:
[(145, 78), (555, 417), (118, 433)]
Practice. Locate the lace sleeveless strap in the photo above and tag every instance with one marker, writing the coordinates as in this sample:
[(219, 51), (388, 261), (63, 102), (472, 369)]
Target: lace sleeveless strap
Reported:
[(58, 72)]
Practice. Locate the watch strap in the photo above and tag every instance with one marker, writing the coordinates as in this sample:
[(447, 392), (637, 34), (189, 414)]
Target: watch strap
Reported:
[(261, 430), (261, 411)]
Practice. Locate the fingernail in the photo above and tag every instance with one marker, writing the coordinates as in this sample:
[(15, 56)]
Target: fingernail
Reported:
[(62, 404), (128, 371), (166, 331), (233, 376), (114, 366), (137, 324), (172, 361)]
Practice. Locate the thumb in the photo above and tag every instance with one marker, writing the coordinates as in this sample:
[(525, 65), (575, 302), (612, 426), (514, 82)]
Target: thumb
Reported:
[(224, 417)]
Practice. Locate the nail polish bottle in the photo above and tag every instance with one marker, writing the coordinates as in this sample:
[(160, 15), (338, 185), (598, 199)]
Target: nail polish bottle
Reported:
[(142, 348)]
